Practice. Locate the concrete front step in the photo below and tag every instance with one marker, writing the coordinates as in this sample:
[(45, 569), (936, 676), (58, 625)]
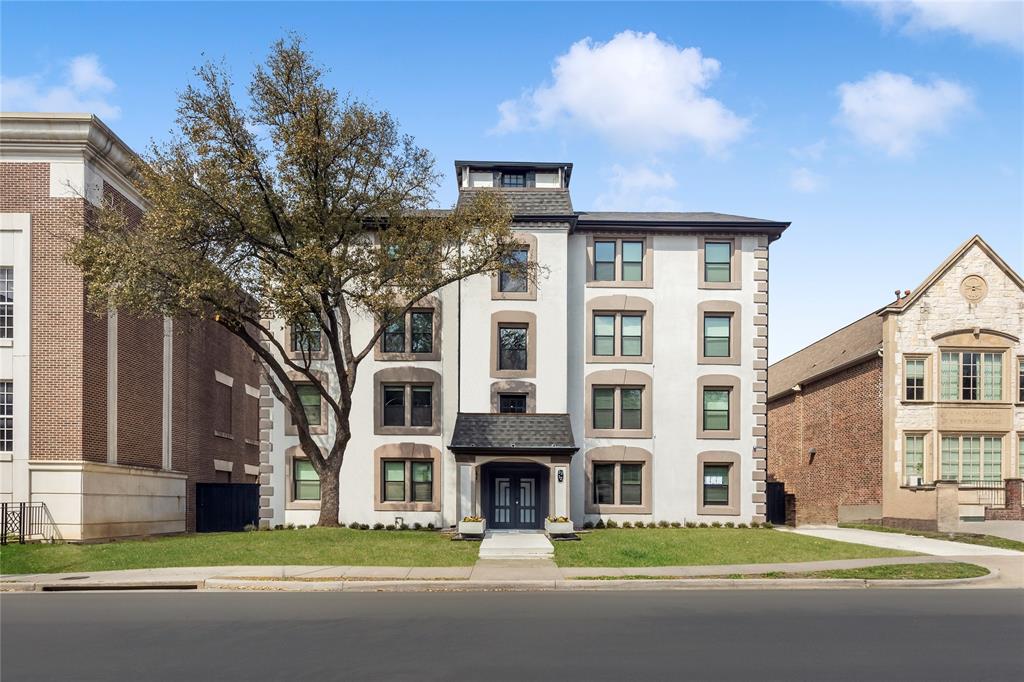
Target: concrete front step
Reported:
[(516, 545)]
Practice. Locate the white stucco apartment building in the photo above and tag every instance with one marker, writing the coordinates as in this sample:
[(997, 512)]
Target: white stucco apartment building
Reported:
[(627, 384)]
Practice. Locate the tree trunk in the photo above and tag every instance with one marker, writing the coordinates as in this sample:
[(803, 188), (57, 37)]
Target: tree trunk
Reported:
[(329, 499)]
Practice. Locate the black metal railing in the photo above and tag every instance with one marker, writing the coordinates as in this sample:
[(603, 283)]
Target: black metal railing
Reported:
[(26, 521), (990, 493)]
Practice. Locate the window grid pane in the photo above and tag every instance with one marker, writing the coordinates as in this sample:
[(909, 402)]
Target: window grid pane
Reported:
[(422, 481), (604, 408), (394, 337), (394, 406), (950, 458), (970, 448), (717, 257), (992, 384), (7, 302), (950, 376), (632, 261), (632, 335), (716, 336), (394, 481), (422, 332), (604, 335), (969, 370), (992, 461), (512, 348), (716, 410), (604, 484), (630, 401), (515, 279), (306, 480), (512, 404), (913, 457), (915, 379), (422, 406), (604, 261), (716, 484), (6, 416), (631, 484), (309, 397), (306, 336)]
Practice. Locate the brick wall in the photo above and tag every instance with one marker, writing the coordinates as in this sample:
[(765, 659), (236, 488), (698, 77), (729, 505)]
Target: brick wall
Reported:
[(841, 418)]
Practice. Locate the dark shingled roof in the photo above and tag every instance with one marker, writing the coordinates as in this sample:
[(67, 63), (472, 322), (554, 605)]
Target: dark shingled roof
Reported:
[(671, 221), (521, 432), (530, 201), (847, 346)]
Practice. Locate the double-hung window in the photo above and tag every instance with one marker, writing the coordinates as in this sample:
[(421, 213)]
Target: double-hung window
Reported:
[(630, 331), (717, 262), (420, 399), (632, 261), (716, 335), (914, 369), (971, 459), (514, 279), (407, 480), (394, 405), (394, 481), (630, 407), (394, 336), (604, 334), (6, 416), (617, 483), (309, 398), (604, 261), (305, 481), (413, 332), (1020, 380), (6, 302), (913, 459), (604, 484), (422, 335), (716, 484), (716, 409), (422, 406), (632, 343), (306, 336), (971, 375), (512, 342)]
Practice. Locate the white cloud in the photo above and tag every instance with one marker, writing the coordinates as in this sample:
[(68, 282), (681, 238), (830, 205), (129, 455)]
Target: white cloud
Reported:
[(805, 180), (635, 90), (813, 151), (1000, 22), (638, 188), (891, 111), (83, 87)]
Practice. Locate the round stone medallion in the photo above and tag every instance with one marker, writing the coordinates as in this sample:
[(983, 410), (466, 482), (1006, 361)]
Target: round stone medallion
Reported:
[(973, 288)]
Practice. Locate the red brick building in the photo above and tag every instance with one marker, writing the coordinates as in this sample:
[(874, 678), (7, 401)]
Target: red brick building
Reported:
[(111, 420)]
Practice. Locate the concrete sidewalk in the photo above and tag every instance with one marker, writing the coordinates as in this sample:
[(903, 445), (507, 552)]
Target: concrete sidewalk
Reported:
[(909, 543)]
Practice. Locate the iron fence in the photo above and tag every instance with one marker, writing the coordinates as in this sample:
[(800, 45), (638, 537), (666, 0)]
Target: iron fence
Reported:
[(26, 521), (990, 493)]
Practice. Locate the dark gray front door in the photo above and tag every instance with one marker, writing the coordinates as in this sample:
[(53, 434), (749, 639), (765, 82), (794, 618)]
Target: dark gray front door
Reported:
[(515, 500)]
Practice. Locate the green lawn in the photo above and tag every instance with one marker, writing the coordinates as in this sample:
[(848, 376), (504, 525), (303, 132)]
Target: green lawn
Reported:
[(968, 538), (704, 546), (312, 546), (936, 571)]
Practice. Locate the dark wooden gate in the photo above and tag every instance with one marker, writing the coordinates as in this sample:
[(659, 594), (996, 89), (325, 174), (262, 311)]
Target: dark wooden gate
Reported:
[(226, 506), (775, 502)]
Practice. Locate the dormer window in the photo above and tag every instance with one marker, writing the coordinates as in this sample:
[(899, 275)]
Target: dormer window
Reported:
[(513, 180)]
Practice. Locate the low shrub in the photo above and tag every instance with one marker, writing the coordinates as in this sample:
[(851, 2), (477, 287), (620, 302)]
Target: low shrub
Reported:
[(611, 523), (716, 524), (430, 526), (767, 524), (741, 525), (662, 524), (364, 526), (652, 524), (627, 524), (354, 525), (729, 524), (378, 526), (755, 524), (599, 524), (691, 524), (404, 526), (702, 524), (587, 525), (265, 528), (390, 526), (289, 526), (417, 526), (279, 526), (301, 526), (676, 524)]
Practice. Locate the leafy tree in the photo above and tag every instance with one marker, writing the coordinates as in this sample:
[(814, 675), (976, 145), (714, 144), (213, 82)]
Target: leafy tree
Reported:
[(295, 207)]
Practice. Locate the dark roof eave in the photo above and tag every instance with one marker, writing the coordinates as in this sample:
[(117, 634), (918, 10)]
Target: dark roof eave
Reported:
[(769, 227), (508, 450)]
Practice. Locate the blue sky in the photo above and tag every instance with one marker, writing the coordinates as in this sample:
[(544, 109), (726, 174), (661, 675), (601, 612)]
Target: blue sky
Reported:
[(887, 133)]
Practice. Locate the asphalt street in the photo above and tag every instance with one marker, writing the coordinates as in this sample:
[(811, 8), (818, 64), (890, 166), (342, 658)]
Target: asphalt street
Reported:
[(699, 635)]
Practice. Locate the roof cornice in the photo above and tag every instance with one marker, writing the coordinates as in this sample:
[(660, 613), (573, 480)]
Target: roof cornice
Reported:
[(66, 135)]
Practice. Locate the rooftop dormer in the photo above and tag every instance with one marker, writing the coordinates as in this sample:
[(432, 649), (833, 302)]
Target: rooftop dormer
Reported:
[(512, 175)]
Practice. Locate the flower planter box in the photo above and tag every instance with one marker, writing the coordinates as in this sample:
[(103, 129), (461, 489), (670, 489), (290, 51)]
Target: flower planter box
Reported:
[(559, 527), (472, 527)]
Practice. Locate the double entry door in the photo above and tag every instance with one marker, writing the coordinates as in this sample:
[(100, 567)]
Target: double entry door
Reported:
[(517, 499)]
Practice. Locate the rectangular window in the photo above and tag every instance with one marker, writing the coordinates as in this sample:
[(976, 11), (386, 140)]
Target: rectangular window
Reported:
[(992, 376), (422, 481), (394, 481), (422, 406), (394, 406), (913, 460), (970, 459), (950, 458), (630, 483), (950, 376), (394, 336), (6, 416), (632, 261), (604, 335), (513, 180), (7, 302), (971, 376), (716, 336), (514, 280), (604, 408), (716, 484), (1020, 457), (306, 336), (305, 480), (717, 261), (716, 409), (604, 261), (630, 408), (969, 366), (992, 459), (309, 398), (632, 335), (512, 403), (222, 408), (512, 348), (914, 380), (422, 331), (1020, 380), (604, 484)]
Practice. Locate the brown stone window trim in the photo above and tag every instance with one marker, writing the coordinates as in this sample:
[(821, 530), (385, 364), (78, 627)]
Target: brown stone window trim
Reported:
[(647, 263), (527, 388), (733, 311), (735, 264), (514, 318), (530, 241), (619, 379), (408, 453), (719, 458), (719, 382), (620, 454), (290, 455), (619, 305), (427, 304), (299, 355), (928, 373), (407, 377), (289, 426), (982, 347)]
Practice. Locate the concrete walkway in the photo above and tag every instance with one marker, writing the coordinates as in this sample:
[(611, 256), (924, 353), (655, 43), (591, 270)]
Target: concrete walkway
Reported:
[(513, 545), (909, 543), (1011, 530)]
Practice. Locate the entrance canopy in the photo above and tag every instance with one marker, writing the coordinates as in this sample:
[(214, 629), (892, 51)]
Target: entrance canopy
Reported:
[(534, 434)]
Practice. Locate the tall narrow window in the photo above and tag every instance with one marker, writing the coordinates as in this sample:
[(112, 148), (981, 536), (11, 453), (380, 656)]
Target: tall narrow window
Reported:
[(913, 460), (632, 335), (6, 416), (950, 458), (718, 261), (514, 279), (969, 369), (422, 331), (422, 481), (1020, 457), (630, 483), (970, 459), (604, 335), (604, 484), (512, 348), (394, 336), (309, 398), (915, 379), (716, 484), (305, 481), (716, 336), (394, 481), (604, 408), (306, 336), (604, 261), (992, 376), (1020, 380), (632, 261), (716, 409), (422, 406), (630, 402), (6, 302), (950, 376), (394, 406), (992, 459)]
